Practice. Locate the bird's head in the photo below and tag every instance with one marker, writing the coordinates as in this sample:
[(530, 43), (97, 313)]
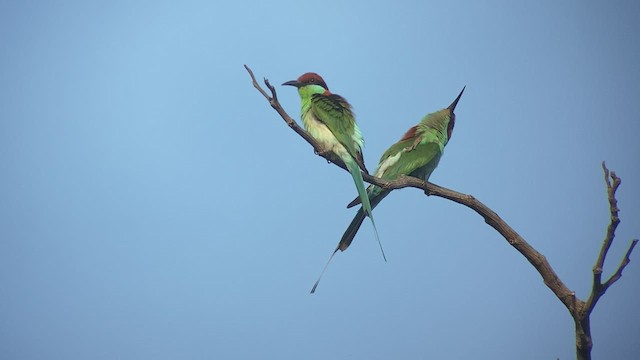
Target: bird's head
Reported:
[(309, 80)]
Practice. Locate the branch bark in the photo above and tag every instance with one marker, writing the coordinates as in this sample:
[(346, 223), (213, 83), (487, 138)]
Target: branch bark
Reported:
[(579, 309)]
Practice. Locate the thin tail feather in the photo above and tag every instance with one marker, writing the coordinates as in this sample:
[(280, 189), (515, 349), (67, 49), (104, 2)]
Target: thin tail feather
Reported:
[(353, 228), (378, 238), (362, 191), (349, 234), (354, 169), (313, 289)]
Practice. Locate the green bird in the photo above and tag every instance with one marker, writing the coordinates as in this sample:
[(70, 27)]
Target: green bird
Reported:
[(330, 120), (416, 154)]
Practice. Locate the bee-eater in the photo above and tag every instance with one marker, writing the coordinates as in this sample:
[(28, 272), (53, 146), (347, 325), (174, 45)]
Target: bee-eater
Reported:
[(329, 119), (416, 154)]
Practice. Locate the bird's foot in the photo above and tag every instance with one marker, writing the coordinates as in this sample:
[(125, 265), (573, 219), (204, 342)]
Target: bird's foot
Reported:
[(321, 150), (386, 185), (324, 152)]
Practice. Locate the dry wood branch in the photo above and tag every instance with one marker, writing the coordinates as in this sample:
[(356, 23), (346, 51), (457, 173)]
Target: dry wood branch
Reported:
[(541, 264), (579, 310), (618, 274), (615, 220), (598, 288)]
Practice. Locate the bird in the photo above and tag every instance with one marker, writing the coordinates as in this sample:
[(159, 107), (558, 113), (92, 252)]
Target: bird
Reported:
[(416, 154), (330, 120)]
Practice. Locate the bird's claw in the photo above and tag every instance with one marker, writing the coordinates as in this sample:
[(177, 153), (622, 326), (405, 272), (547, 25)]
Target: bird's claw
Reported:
[(322, 151)]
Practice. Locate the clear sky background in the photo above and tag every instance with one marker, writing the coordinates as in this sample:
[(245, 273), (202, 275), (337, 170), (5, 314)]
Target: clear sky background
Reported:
[(153, 205)]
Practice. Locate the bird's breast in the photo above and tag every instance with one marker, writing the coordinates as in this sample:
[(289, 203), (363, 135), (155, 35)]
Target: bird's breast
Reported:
[(322, 134)]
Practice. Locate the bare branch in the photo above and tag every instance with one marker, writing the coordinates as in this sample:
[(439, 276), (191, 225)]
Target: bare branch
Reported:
[(579, 310), (541, 264), (615, 220), (598, 289), (255, 84), (618, 274)]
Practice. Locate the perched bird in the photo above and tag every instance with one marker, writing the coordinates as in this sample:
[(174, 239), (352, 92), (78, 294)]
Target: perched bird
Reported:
[(416, 154), (329, 119)]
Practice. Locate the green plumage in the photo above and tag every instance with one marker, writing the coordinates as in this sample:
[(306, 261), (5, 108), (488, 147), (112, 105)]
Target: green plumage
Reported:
[(417, 154), (335, 113), (329, 119)]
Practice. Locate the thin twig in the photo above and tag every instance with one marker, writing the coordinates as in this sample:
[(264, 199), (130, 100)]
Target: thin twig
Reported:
[(256, 85), (615, 220), (618, 274), (612, 182)]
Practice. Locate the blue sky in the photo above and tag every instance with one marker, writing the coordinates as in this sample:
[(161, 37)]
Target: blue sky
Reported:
[(154, 206)]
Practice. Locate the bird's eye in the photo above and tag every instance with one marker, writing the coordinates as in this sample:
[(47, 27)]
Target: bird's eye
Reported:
[(312, 80)]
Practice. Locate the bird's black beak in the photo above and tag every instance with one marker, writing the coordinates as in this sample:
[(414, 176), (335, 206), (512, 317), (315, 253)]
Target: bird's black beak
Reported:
[(455, 102), (292, 83)]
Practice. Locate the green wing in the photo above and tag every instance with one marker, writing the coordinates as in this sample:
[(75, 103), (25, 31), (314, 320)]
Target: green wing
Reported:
[(418, 162), (400, 146), (335, 112)]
